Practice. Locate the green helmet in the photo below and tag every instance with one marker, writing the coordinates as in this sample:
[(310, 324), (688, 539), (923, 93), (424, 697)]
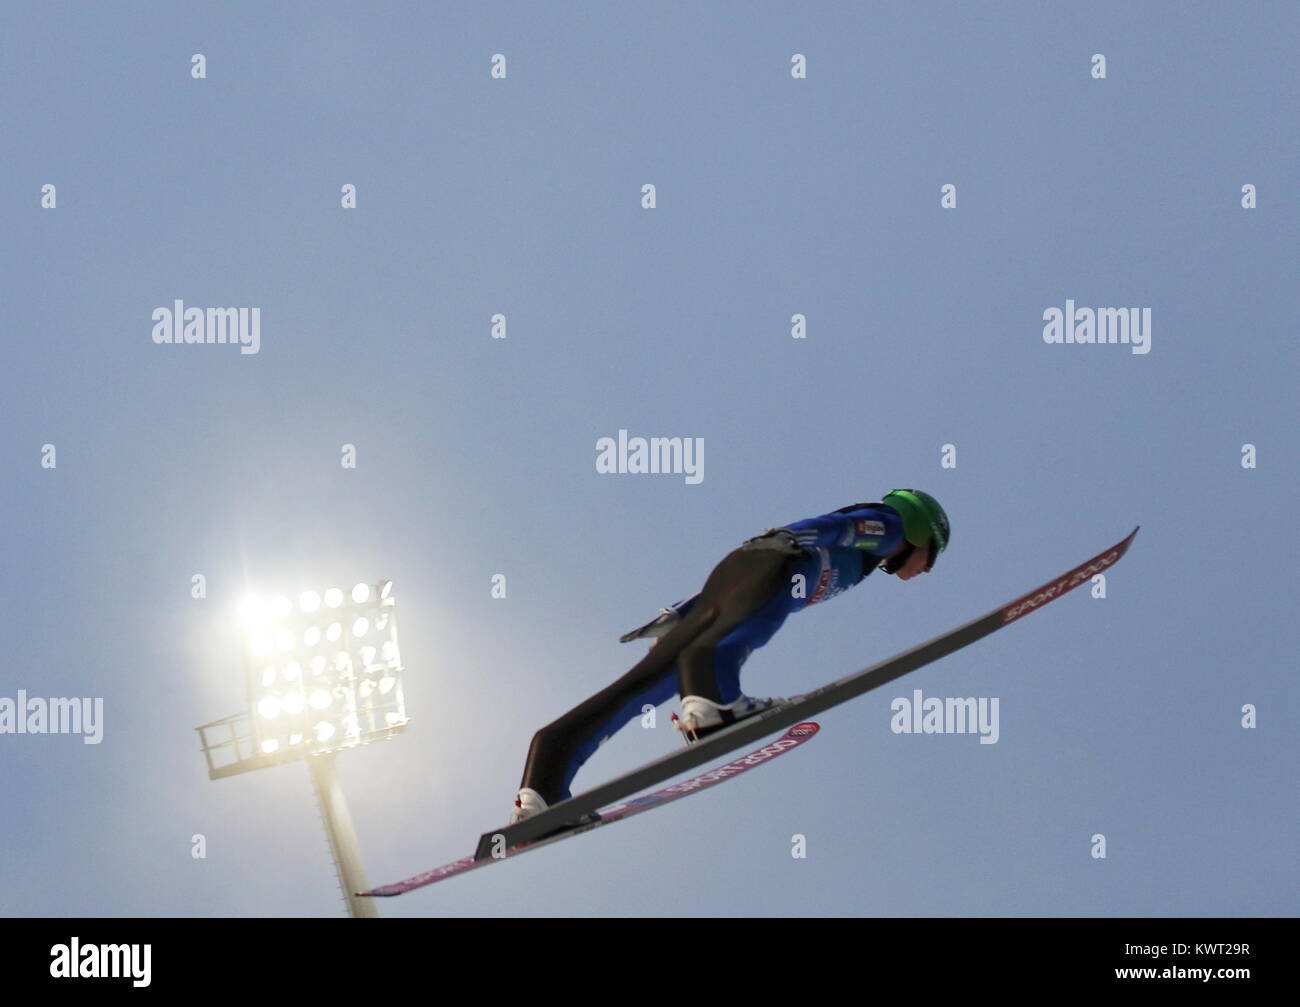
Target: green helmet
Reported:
[(924, 522)]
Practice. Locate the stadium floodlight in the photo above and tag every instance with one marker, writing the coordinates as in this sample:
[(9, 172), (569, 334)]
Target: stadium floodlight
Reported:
[(361, 626), (254, 612), (315, 689)]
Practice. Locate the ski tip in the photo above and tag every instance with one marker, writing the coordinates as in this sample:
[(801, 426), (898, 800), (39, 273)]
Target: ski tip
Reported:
[(1123, 544)]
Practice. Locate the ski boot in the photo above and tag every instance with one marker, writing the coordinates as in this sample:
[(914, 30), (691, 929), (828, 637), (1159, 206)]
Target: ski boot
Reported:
[(702, 717), (529, 802)]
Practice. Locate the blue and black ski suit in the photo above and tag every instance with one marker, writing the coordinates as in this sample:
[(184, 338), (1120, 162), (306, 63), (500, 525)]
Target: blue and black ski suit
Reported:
[(743, 603)]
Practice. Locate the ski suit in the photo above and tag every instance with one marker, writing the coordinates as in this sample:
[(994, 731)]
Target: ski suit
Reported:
[(743, 603)]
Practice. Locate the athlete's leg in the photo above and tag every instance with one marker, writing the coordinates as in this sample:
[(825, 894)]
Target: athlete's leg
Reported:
[(561, 747), (710, 665), (745, 580)]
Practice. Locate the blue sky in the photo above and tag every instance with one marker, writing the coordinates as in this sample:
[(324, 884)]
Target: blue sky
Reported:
[(476, 456)]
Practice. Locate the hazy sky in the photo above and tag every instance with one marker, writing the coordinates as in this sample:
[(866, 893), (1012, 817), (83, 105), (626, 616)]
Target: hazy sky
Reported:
[(776, 196)]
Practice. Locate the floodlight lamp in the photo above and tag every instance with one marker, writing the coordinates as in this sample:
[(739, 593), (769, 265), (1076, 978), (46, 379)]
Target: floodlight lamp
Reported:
[(253, 612)]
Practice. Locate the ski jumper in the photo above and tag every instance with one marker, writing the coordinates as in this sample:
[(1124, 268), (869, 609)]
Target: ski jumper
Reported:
[(744, 601)]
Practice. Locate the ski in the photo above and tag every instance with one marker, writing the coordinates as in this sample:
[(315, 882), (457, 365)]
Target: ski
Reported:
[(797, 735), (798, 708)]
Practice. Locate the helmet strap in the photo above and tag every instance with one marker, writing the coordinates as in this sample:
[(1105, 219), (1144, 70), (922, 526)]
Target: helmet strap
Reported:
[(896, 563)]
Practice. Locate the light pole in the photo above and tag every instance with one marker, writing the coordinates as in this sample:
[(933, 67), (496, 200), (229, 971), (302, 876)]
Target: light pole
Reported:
[(343, 838), (323, 677)]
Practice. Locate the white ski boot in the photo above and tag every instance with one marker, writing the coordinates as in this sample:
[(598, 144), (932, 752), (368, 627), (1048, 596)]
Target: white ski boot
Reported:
[(702, 717), (528, 802)]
